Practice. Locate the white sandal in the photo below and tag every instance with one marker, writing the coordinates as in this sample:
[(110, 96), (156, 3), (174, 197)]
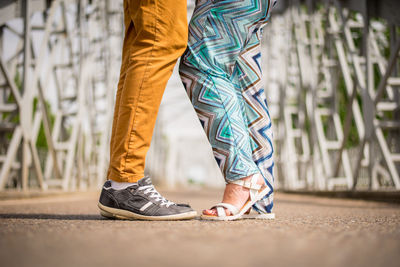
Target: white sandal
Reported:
[(259, 216), (256, 191)]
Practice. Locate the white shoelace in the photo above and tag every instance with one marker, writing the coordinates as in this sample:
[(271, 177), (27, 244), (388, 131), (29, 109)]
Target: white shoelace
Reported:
[(149, 189)]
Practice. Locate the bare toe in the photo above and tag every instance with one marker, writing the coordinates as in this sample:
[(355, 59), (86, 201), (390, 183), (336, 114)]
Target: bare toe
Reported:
[(210, 212), (213, 212)]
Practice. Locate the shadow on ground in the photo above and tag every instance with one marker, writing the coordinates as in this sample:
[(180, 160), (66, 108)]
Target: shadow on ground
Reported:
[(42, 216)]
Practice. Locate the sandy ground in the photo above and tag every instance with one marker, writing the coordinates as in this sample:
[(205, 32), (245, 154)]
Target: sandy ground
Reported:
[(308, 231)]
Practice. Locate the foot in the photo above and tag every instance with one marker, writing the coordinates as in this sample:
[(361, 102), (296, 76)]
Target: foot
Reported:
[(141, 201), (235, 195)]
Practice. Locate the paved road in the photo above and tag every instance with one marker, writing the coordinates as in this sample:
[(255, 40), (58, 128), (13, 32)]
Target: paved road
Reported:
[(308, 231)]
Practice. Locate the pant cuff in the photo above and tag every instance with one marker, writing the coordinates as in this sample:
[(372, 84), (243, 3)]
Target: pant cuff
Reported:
[(118, 177), (235, 177)]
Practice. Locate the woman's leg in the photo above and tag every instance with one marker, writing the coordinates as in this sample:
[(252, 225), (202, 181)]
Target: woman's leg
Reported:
[(219, 110), (218, 33), (249, 77)]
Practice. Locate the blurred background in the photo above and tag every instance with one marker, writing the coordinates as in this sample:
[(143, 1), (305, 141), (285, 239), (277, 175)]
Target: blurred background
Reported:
[(331, 76)]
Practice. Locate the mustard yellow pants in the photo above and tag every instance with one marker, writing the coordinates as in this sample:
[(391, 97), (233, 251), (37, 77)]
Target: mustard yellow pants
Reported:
[(155, 37)]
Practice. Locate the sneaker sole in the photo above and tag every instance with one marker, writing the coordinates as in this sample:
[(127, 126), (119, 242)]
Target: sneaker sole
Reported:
[(128, 215)]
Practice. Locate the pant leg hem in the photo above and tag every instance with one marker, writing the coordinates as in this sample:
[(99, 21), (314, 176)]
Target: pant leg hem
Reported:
[(240, 176), (118, 177)]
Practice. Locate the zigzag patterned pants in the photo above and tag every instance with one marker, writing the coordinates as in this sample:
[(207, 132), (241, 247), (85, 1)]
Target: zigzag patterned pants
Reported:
[(221, 73)]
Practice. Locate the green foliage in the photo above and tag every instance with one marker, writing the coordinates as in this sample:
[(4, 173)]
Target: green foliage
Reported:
[(15, 118), (342, 103), (41, 139)]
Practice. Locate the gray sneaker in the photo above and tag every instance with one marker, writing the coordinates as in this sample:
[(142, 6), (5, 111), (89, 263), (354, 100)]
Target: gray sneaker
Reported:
[(141, 202)]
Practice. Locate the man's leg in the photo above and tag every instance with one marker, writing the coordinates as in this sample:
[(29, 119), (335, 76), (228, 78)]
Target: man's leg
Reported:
[(155, 38), (130, 35)]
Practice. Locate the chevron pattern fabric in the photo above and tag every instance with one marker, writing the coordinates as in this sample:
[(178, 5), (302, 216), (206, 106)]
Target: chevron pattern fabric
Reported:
[(221, 73)]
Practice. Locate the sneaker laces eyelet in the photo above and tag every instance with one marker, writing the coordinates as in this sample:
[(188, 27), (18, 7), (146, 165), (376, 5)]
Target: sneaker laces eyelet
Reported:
[(153, 193)]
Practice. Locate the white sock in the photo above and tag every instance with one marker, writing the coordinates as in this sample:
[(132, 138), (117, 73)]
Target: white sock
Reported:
[(118, 186)]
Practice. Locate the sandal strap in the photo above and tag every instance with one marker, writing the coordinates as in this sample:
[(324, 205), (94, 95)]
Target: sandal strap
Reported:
[(252, 184), (221, 211), (220, 207)]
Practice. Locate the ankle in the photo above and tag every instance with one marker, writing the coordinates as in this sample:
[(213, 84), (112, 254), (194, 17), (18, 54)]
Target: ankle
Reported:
[(257, 176), (120, 185)]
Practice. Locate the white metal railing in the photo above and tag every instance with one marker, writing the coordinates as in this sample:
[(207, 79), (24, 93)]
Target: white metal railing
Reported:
[(57, 65), (331, 77), (338, 124)]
